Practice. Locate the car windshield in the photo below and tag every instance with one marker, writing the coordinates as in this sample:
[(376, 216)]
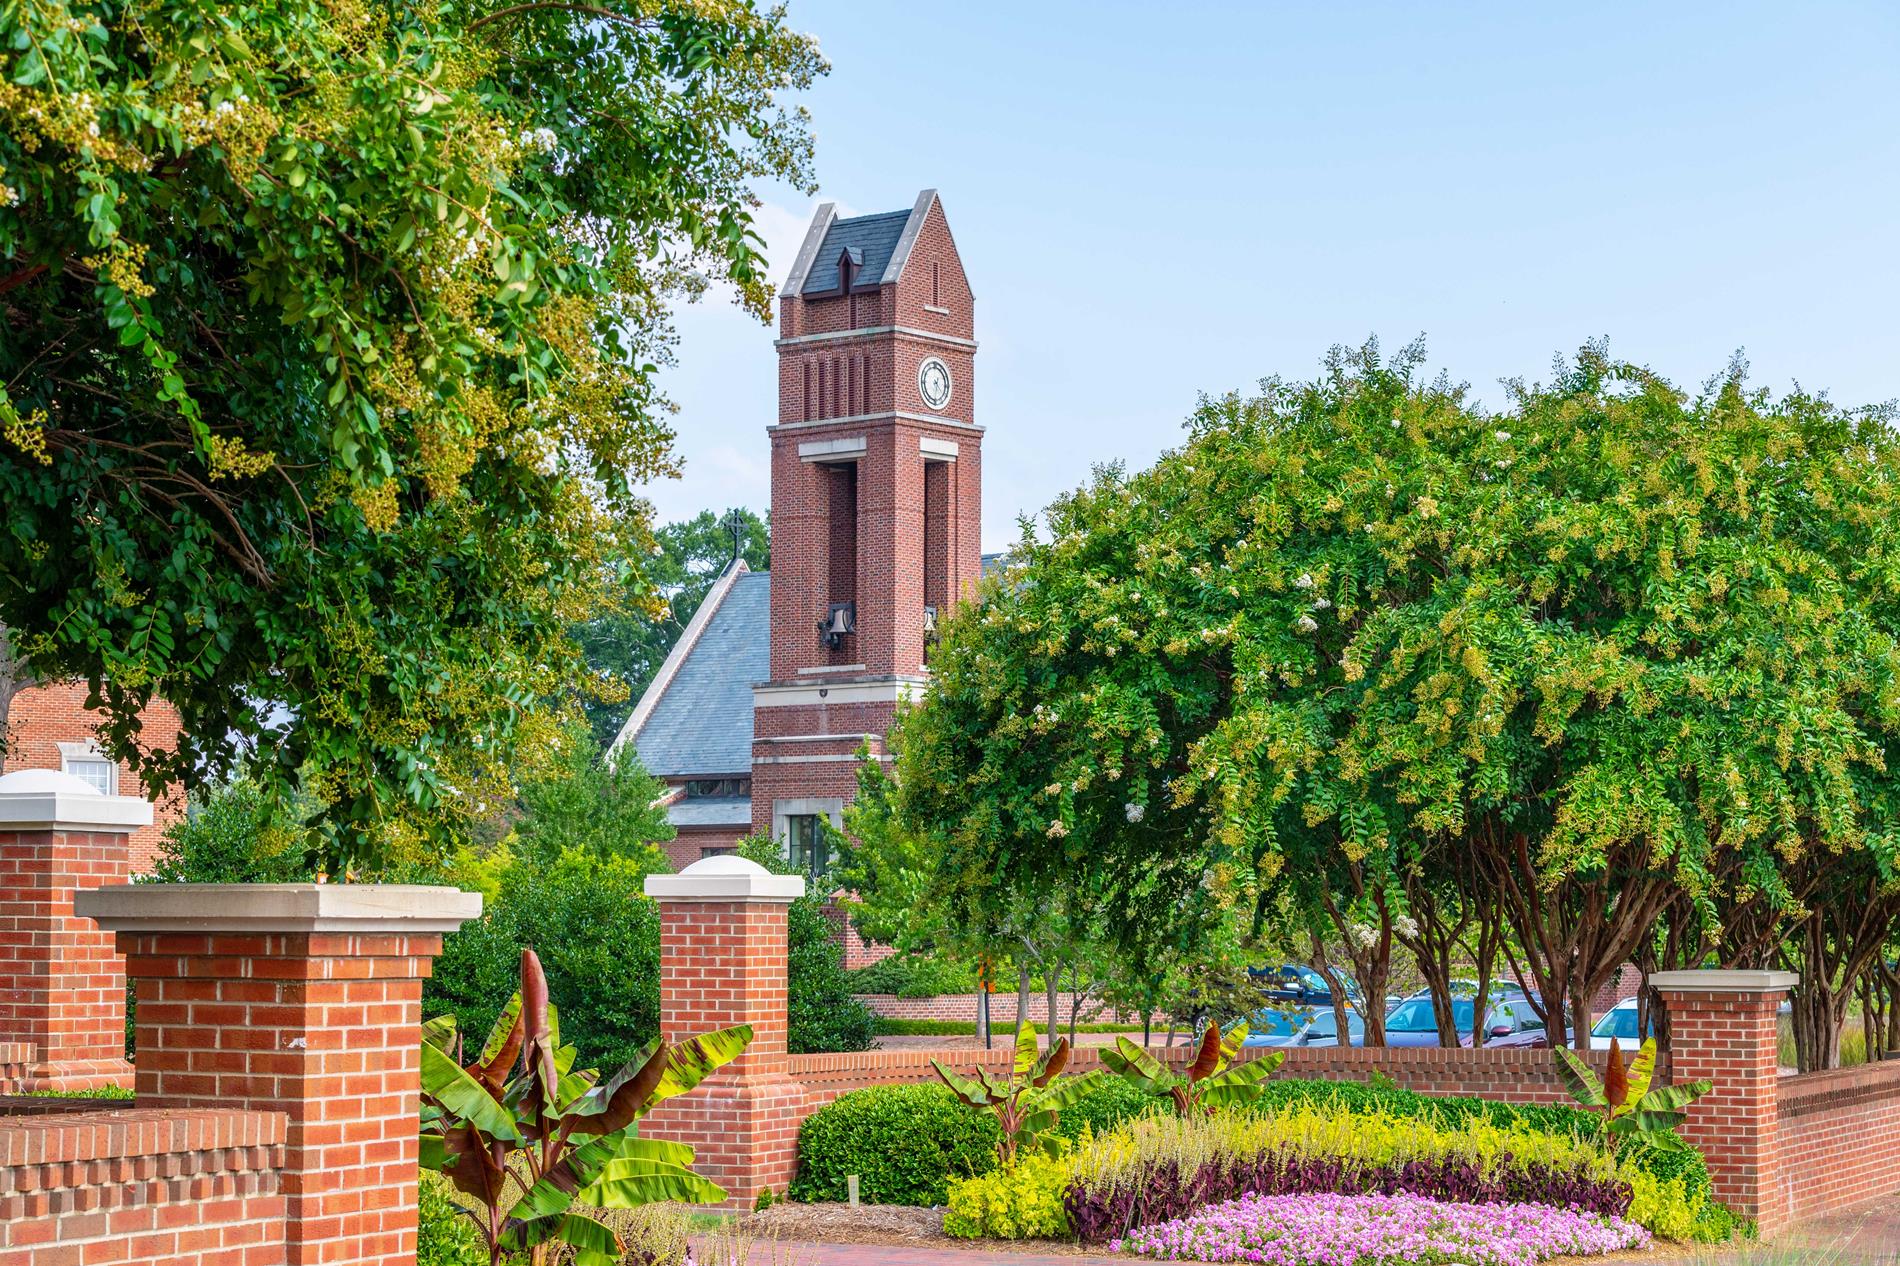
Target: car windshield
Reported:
[(1619, 1023), (1415, 1015)]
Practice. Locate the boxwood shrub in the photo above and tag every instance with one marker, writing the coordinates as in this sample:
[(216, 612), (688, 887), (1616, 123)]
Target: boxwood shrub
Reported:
[(905, 1144)]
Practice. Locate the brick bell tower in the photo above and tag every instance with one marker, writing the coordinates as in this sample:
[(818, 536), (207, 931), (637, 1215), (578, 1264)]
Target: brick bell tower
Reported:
[(876, 483)]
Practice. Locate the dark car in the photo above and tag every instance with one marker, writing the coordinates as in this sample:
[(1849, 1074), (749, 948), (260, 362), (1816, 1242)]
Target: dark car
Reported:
[(1510, 1020), (1295, 983)]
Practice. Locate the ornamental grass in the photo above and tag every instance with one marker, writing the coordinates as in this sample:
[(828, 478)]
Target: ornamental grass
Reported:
[(1158, 1169), (1373, 1230)]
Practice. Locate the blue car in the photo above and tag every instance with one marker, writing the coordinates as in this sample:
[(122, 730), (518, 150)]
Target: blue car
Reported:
[(1323, 1030), (1276, 1026)]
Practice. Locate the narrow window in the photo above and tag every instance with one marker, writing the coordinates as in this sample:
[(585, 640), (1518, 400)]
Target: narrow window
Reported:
[(809, 400), (842, 531), (937, 488), (936, 294), (806, 846)]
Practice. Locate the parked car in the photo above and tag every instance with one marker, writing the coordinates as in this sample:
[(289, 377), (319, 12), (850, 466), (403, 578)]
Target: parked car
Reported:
[(1296, 983), (1619, 1022), (1276, 1025), (1323, 1030), (1509, 1020)]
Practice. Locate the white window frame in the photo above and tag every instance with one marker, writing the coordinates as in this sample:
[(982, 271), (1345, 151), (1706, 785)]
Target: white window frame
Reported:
[(89, 751)]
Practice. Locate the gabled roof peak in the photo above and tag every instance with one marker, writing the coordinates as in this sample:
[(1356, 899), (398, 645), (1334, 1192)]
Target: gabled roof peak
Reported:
[(879, 246)]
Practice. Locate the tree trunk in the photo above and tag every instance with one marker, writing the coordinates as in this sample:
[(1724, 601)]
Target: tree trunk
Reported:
[(1051, 986), (14, 678), (1022, 996)]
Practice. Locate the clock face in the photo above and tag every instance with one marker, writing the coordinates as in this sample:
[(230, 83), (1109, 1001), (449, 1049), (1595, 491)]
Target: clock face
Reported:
[(933, 383)]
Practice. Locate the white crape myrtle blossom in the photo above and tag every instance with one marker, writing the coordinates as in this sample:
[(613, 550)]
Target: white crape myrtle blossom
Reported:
[(1304, 582), (1504, 437), (1306, 624), (1056, 829), (1405, 925), (1134, 811), (1322, 603)]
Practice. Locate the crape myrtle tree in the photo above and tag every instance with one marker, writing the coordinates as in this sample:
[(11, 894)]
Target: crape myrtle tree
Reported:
[(1618, 645), (328, 336)]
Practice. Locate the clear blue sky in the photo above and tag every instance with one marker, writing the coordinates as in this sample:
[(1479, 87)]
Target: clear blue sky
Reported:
[(1162, 200)]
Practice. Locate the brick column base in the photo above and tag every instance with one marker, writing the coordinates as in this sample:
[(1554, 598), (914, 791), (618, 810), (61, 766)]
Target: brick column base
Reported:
[(1722, 1027), (722, 962), (62, 986), (304, 999)]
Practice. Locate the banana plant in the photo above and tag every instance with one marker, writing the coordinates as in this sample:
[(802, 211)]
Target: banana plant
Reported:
[(1027, 1105), (531, 1140), (1629, 1106), (1213, 1080)]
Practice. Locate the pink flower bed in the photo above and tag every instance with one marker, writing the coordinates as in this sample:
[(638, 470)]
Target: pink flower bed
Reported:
[(1327, 1230)]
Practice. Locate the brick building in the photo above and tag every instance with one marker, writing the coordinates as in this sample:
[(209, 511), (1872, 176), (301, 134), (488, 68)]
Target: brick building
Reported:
[(50, 727), (780, 677)]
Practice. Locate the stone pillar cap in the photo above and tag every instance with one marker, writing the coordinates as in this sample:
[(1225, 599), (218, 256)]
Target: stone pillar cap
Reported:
[(54, 800), (1726, 981), (390, 909), (726, 878)]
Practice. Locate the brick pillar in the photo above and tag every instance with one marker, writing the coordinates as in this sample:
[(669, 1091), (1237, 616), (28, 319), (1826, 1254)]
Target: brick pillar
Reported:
[(62, 984), (722, 962), (304, 999), (1722, 1027)]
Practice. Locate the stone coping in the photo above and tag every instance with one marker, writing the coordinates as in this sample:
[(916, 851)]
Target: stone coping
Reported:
[(111, 1133), (51, 800), (726, 878), (389, 909), (1725, 981)]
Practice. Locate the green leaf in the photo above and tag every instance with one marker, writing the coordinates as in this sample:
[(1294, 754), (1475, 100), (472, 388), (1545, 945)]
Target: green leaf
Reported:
[(1579, 1079), (697, 1058), (460, 1094), (975, 1094), (440, 1032), (634, 1181), (1026, 1050)]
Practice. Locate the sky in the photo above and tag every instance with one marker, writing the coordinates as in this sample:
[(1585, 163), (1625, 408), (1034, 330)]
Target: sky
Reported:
[(1159, 201)]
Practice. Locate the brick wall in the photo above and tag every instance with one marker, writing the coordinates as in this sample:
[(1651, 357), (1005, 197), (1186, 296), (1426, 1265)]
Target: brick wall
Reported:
[(962, 1007), (1510, 1076), (324, 1028), (62, 986), (43, 717), (1839, 1138), (142, 1185), (723, 963)]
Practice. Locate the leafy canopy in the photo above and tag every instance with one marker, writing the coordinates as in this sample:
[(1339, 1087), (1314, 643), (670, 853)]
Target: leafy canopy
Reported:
[(1620, 623), (327, 359)]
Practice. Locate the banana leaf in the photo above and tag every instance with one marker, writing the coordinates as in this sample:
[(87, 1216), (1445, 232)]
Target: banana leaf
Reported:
[(1579, 1079), (1137, 1065), (1025, 1050), (1641, 1070), (1208, 1058), (444, 1081), (974, 1094), (594, 1244), (697, 1058), (503, 1046), (1067, 1093), (630, 1182), (1050, 1066), (1672, 1098), (622, 1100), (440, 1033)]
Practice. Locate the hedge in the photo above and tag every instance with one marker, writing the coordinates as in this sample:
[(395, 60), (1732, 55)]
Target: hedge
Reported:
[(907, 1143)]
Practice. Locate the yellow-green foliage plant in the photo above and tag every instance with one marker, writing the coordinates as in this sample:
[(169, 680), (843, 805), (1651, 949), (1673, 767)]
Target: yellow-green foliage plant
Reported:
[(1018, 1201)]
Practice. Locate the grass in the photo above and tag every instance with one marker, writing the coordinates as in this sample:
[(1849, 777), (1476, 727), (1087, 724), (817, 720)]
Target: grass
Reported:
[(101, 1092), (886, 1026), (1853, 1042)]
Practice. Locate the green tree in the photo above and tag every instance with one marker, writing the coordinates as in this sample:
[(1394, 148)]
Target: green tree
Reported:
[(1623, 644), (822, 1014), (587, 804), (628, 643), (328, 376), (228, 836)]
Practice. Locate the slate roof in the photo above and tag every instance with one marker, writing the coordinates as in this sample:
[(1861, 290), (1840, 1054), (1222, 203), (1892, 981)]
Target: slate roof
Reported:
[(702, 722), (871, 239), (712, 810)]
